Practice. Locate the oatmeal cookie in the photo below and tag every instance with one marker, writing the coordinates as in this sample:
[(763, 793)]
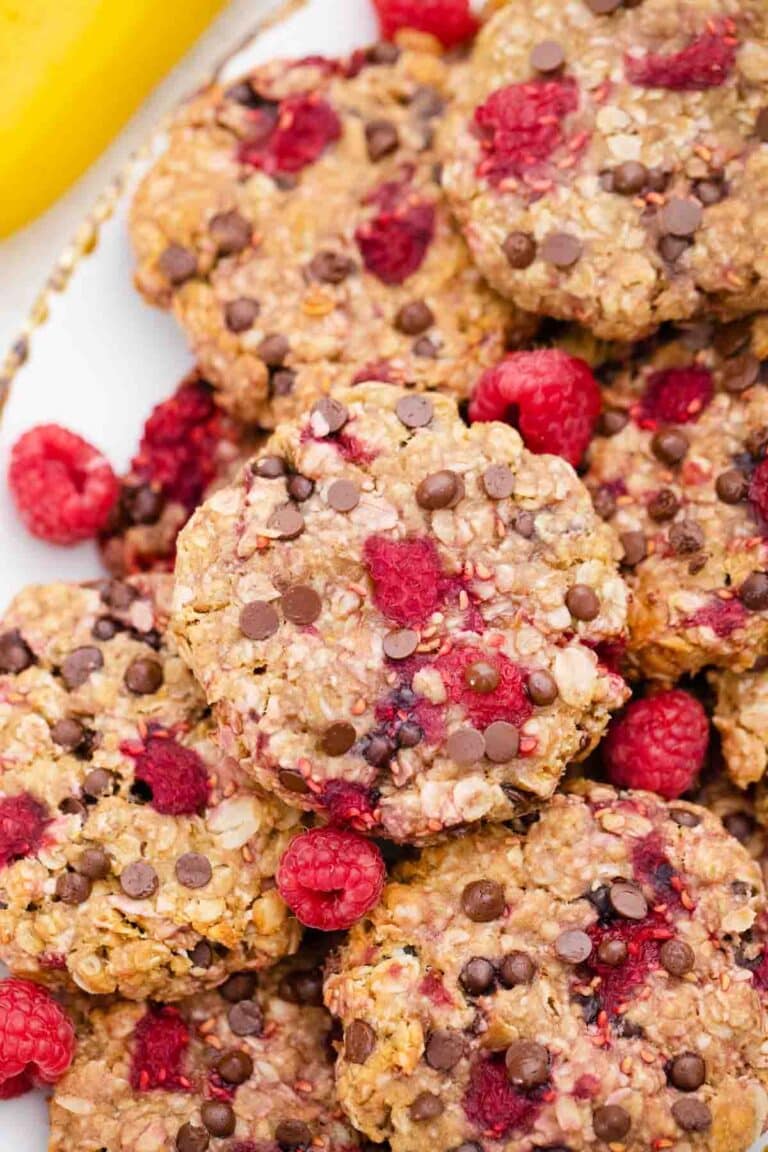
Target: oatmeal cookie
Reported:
[(402, 621), (741, 717), (742, 813), (679, 470), (134, 856), (586, 984), (251, 1061), (296, 220), (608, 161)]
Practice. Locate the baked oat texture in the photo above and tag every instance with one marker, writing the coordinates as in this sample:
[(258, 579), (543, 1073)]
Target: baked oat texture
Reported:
[(413, 643), (742, 812), (578, 986), (741, 717), (622, 180), (136, 858)]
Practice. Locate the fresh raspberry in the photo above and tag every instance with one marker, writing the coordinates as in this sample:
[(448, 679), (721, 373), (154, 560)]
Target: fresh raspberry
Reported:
[(675, 396), (394, 243), (722, 616), (550, 397), (407, 578), (493, 1105), (329, 878), (349, 804), (450, 21), (521, 125), (22, 823), (175, 775), (296, 137), (63, 487), (704, 63), (508, 700), (160, 1042), (758, 491), (658, 744), (37, 1040)]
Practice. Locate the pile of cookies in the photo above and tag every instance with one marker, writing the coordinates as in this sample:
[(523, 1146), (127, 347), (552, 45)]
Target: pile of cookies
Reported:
[(403, 783)]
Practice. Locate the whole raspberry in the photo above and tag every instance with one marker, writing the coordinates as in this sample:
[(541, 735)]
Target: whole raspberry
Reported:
[(521, 125), (22, 823), (394, 243), (63, 487), (675, 396), (296, 137), (407, 577), (550, 397), (494, 1105), (462, 667), (450, 21), (160, 1042), (758, 491), (175, 775), (658, 744), (329, 878), (37, 1040), (704, 63)]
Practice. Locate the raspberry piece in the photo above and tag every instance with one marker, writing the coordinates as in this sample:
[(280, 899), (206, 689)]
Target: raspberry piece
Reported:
[(675, 396), (493, 1105), (329, 878), (63, 487), (450, 21), (348, 803), (296, 137), (653, 870), (37, 1040), (407, 577), (22, 823), (521, 125), (175, 775), (758, 490), (160, 1042), (643, 940), (508, 700), (550, 397), (722, 616), (704, 63), (394, 243), (658, 744)]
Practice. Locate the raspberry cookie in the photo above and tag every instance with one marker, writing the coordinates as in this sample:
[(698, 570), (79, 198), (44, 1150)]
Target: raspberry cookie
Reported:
[(589, 983), (608, 161), (134, 857), (403, 622), (245, 1069), (296, 220), (741, 717), (679, 469)]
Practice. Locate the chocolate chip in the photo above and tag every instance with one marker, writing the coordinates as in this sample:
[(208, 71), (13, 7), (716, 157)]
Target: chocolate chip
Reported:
[(68, 733), (177, 264), (635, 548), (384, 52), (71, 807), (401, 644), (118, 595), (515, 969), (293, 1134), (193, 870), (331, 267), (681, 217), (93, 863), (541, 687), (426, 1106), (547, 56), (97, 782), (218, 1117), (245, 1018), (612, 421), (240, 314), (527, 1064), (303, 986), (573, 946), (761, 125), (669, 446), (519, 249), (664, 505), (414, 411), (524, 524), (409, 735), (142, 504), (444, 1049), (273, 350), (612, 952), (425, 347), (201, 955), (143, 677), (293, 781), (627, 900), (502, 741), (359, 1042), (301, 604), (378, 750), (414, 318), (15, 653), (442, 489), (478, 976), (269, 467), (692, 1114), (482, 677), (731, 486), (300, 488), (483, 901), (235, 1067), (192, 1139), (465, 746), (258, 620), (604, 503), (330, 414), (672, 248), (498, 481), (686, 536), (338, 739), (381, 139), (603, 7), (79, 665), (231, 231), (561, 249), (754, 592), (281, 382), (740, 825), (582, 602), (741, 373), (684, 818), (138, 880), (343, 495), (629, 178), (709, 191), (239, 986), (72, 888), (687, 1071), (105, 629), (611, 1123), (287, 521)]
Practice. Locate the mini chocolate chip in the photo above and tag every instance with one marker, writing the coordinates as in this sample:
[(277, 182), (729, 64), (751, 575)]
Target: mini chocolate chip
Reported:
[(527, 1064), (426, 1106), (142, 504), (524, 524), (515, 969), (301, 604), (729, 339), (281, 382), (502, 742), (687, 1071), (414, 411), (664, 505), (761, 125), (629, 178), (273, 350), (193, 870), (192, 1139), (612, 421), (686, 536), (483, 901), (603, 7), (118, 595), (287, 521), (138, 880), (582, 602), (401, 644), (71, 807), (231, 231), (541, 687), (672, 248), (635, 548), (612, 952), (519, 249), (478, 976), (303, 986), (239, 986), (331, 267), (611, 1123), (258, 620), (293, 1134), (144, 676), (498, 481), (97, 782), (414, 318), (409, 735), (359, 1042), (754, 592), (684, 818), (681, 217), (482, 677), (15, 654), (383, 52), (378, 750), (669, 446), (604, 503), (68, 733), (709, 191), (547, 56), (218, 1117), (561, 249), (338, 739), (731, 486), (235, 1067), (78, 666), (73, 888), (444, 1049), (300, 488), (573, 946), (741, 373), (343, 495), (177, 264), (740, 825), (93, 863), (293, 781), (627, 900), (330, 414), (201, 955), (465, 746), (692, 1114), (240, 314), (245, 1018), (269, 467), (442, 489), (381, 139)]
